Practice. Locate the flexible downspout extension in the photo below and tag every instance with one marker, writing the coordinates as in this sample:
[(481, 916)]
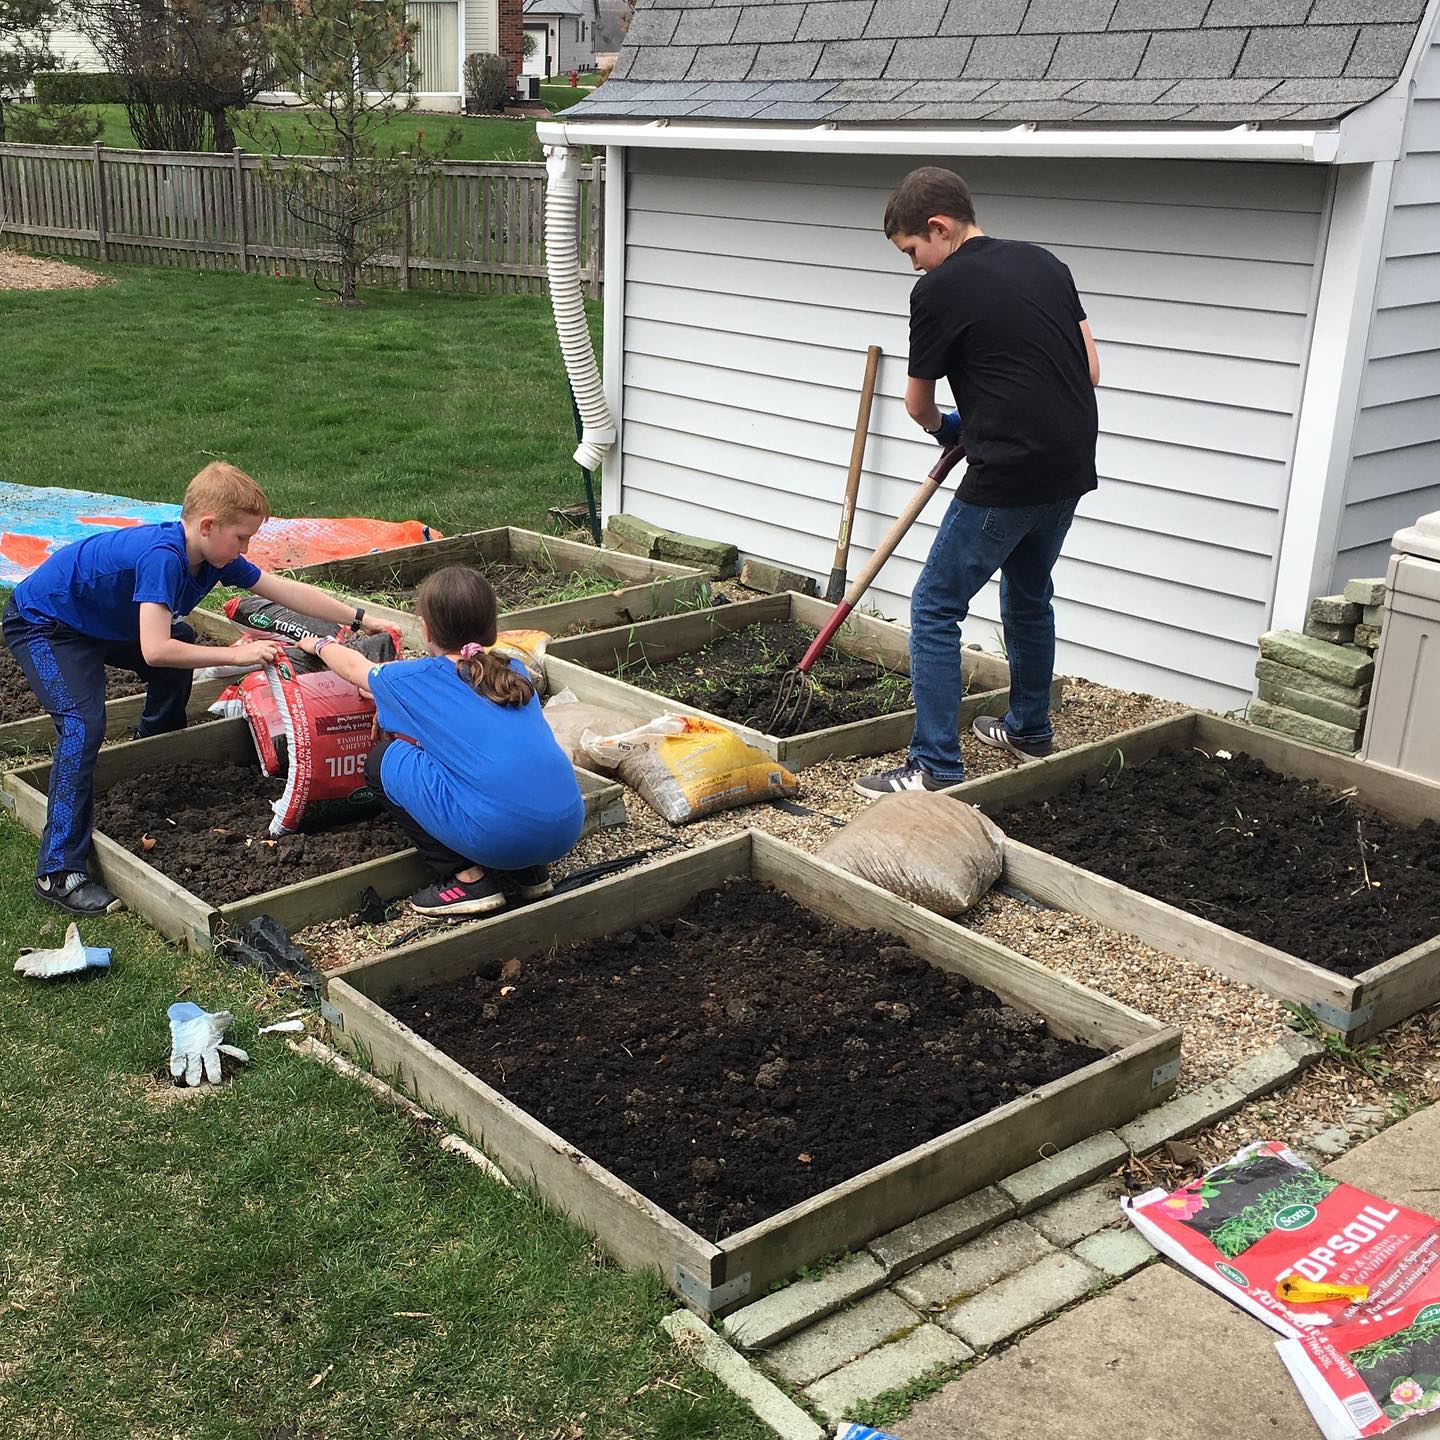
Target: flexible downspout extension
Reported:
[(562, 260)]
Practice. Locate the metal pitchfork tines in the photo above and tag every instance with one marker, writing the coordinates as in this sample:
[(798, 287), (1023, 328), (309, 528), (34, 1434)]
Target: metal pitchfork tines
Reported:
[(797, 689)]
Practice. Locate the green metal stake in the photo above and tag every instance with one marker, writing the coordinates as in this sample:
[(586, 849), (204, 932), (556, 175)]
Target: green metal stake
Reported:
[(589, 477)]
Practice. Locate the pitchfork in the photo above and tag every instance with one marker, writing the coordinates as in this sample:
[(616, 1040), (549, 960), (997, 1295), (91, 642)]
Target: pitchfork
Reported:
[(797, 689)]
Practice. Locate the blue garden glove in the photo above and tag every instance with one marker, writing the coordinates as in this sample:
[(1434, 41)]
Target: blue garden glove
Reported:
[(195, 1037), (947, 433), (69, 959)]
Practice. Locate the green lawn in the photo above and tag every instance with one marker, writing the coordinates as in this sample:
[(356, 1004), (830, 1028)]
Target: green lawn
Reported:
[(448, 409), (185, 1264), (482, 137)]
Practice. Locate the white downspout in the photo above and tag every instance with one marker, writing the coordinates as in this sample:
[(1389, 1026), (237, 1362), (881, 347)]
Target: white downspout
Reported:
[(562, 261)]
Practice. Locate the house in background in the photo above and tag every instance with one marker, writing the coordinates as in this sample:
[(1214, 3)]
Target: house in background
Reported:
[(1251, 212), (565, 34), (449, 31)]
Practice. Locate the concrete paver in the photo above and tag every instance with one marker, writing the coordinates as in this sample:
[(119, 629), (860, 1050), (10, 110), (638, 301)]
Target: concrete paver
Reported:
[(887, 1368), (972, 1267), (805, 1357)]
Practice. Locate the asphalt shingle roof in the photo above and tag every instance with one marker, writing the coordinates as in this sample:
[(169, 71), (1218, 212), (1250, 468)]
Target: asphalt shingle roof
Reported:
[(930, 62)]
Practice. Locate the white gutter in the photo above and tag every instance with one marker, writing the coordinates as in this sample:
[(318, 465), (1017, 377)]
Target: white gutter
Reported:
[(562, 262), (1244, 142)]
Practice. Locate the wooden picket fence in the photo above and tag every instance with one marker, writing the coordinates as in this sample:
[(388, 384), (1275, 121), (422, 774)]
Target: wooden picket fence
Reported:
[(477, 227)]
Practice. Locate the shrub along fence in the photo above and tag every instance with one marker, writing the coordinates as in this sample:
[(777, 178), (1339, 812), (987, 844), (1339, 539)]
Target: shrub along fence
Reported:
[(477, 228)]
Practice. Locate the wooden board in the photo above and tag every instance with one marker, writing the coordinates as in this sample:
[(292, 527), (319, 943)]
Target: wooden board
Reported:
[(1134, 1075), (1357, 1007), (626, 651), (37, 733), (643, 587), (180, 914)]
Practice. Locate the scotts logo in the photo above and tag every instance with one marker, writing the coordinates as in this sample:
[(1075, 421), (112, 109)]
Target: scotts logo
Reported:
[(1233, 1275), (1295, 1217), (1429, 1315)]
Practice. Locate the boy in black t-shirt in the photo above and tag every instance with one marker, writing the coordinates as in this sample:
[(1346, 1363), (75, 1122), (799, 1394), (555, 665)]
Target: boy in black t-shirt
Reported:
[(1002, 322)]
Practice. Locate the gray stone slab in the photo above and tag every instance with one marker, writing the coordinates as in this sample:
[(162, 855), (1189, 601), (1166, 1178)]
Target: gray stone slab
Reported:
[(1372, 615), (771, 1405), (1289, 678), (1159, 1356), (1367, 637), (941, 1230), (1330, 662), (1182, 1116), (1021, 1300), (1118, 1252), (1072, 1218), (1350, 717), (1331, 634), (772, 579), (780, 1314), (1305, 728), (888, 1368), (1326, 609), (843, 1337), (1072, 1167), (1366, 592), (972, 1267)]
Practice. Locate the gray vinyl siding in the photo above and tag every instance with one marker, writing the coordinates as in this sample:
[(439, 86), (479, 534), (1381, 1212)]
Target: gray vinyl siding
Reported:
[(755, 282), (481, 19), (1394, 473)]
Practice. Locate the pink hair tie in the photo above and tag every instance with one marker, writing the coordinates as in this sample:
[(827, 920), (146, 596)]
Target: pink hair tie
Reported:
[(470, 651)]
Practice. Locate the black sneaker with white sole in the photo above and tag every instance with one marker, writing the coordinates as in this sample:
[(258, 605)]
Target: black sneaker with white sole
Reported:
[(459, 898), (909, 776), (531, 883), (991, 729), (75, 892)]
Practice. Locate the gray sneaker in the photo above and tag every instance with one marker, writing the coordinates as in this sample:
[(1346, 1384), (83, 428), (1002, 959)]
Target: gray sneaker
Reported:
[(75, 891), (991, 729), (910, 776)]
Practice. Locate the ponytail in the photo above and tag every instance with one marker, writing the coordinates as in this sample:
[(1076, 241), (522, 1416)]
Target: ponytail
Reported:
[(492, 677)]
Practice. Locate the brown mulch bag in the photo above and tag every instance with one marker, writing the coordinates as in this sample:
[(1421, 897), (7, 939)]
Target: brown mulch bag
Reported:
[(570, 718), (937, 852)]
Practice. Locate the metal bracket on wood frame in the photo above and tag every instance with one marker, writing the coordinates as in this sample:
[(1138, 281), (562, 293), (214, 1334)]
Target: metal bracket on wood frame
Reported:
[(1164, 1074), (1338, 1019), (708, 1300), (331, 1016)]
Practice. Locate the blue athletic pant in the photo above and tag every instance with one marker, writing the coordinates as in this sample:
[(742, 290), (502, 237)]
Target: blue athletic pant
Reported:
[(66, 670)]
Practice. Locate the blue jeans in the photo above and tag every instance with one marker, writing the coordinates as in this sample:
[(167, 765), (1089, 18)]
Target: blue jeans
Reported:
[(66, 670), (1022, 542)]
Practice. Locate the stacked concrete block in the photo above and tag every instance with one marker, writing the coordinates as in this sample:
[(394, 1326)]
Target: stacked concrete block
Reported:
[(639, 537), (1312, 689), (1369, 596)]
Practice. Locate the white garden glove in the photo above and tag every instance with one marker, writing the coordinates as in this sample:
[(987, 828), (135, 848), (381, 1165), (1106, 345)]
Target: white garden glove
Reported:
[(68, 959), (195, 1037)]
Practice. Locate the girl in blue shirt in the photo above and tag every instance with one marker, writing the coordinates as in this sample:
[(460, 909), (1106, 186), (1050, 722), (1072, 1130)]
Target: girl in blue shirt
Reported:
[(465, 763)]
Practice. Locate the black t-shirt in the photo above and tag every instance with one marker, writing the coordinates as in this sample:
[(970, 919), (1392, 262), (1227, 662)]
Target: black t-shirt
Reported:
[(1000, 320)]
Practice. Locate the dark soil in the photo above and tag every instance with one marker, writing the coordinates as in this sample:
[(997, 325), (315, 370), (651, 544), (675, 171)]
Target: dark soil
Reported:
[(17, 699), (1282, 861), (518, 587), (211, 827), (742, 1056), (737, 677)]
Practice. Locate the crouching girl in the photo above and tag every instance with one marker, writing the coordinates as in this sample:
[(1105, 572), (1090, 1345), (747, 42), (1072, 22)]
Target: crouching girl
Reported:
[(465, 762)]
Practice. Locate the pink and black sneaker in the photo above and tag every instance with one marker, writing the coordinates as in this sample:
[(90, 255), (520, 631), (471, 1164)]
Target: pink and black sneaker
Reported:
[(459, 897)]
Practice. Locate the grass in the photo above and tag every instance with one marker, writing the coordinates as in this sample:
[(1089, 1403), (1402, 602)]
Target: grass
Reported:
[(482, 137), (178, 1263), (448, 409)]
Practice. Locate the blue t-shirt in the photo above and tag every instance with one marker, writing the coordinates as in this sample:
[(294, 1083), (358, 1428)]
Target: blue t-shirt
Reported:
[(487, 780), (97, 585)]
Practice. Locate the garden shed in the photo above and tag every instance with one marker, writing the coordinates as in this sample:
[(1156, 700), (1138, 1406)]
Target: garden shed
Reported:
[(1247, 194)]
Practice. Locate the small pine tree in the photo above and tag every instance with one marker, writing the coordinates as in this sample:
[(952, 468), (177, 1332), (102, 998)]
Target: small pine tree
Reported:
[(349, 63)]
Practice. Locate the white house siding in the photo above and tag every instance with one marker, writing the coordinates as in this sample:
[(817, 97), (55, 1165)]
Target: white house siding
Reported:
[(1395, 470), (754, 284), (481, 22), (70, 46)]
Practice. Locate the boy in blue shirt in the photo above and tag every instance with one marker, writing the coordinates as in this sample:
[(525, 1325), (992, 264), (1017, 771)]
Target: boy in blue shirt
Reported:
[(120, 599), (466, 764), (1002, 322)]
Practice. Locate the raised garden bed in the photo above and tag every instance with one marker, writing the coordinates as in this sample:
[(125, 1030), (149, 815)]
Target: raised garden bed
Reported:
[(543, 583), (722, 991), (725, 663), (1307, 874), (196, 883), (23, 730)]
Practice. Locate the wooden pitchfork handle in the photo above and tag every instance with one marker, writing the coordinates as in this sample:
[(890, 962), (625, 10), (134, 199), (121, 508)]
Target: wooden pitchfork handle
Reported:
[(886, 548), (835, 588)]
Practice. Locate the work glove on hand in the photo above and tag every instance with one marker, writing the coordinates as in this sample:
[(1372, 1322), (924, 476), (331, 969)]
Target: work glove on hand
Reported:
[(947, 433), (195, 1037), (68, 959)]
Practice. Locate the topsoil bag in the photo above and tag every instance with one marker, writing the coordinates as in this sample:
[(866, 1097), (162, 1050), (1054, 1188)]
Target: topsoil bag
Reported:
[(569, 718), (684, 768), (939, 853)]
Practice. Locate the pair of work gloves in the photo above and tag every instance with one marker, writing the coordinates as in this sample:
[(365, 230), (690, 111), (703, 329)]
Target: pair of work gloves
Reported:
[(947, 433)]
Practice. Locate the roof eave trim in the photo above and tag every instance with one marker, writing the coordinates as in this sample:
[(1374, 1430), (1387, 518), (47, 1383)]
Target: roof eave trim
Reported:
[(1244, 142)]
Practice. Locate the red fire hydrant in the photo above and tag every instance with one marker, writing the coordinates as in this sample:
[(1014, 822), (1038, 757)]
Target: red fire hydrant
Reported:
[(574, 79)]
